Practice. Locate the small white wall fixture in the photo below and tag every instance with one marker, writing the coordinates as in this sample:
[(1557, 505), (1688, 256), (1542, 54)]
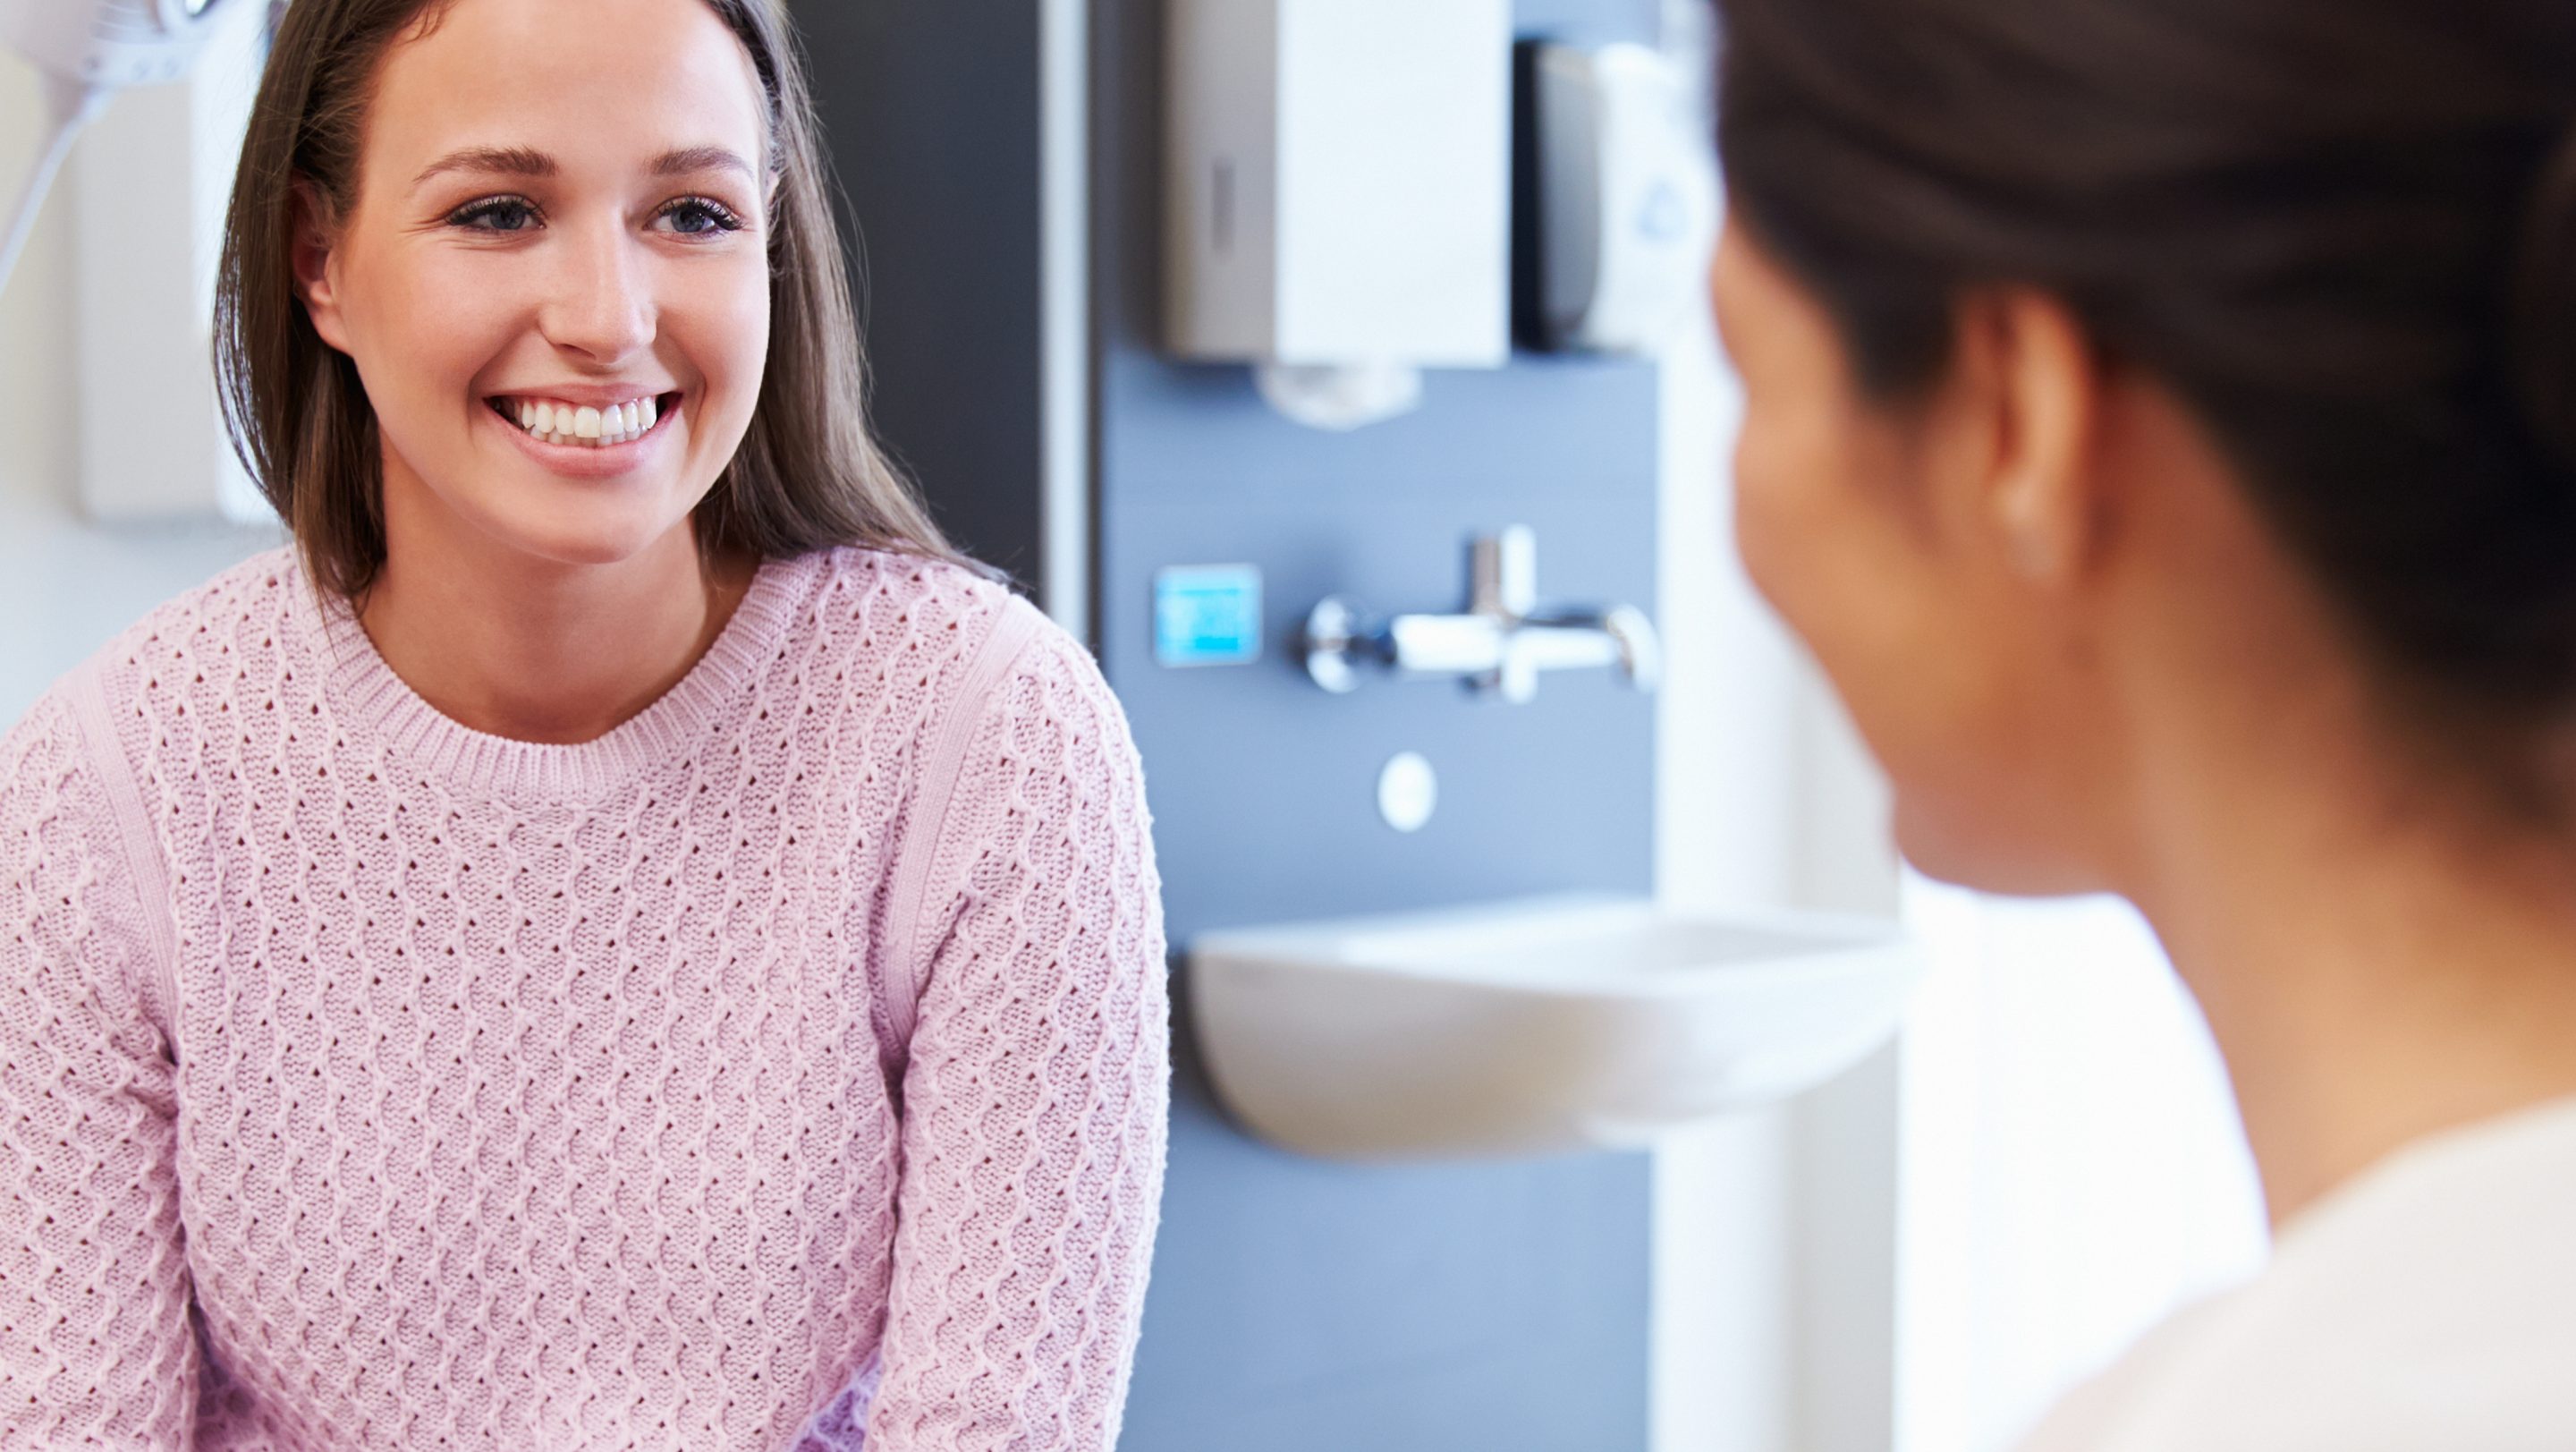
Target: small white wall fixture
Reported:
[(1338, 193), (151, 180)]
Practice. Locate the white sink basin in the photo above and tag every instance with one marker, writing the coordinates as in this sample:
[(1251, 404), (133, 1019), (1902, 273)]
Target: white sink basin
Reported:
[(1534, 1025)]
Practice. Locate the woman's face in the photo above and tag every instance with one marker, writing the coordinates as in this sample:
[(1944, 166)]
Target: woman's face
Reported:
[(561, 220), (1861, 522)]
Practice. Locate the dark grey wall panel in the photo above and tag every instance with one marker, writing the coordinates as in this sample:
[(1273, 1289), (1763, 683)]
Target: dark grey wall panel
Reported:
[(1297, 1304), (931, 111)]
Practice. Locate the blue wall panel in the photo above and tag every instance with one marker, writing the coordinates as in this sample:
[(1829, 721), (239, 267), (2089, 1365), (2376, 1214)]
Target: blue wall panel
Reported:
[(1296, 1304)]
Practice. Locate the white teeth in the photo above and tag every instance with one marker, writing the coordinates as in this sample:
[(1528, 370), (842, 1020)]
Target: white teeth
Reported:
[(564, 423)]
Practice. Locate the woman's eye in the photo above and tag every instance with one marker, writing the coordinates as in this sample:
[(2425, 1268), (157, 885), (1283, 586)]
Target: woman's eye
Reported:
[(700, 216), (494, 214)]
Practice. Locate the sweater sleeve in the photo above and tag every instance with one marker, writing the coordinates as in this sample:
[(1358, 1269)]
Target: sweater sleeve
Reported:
[(97, 1348), (1036, 1088)]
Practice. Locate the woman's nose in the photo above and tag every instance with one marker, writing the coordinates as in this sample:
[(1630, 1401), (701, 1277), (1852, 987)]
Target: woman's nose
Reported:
[(602, 304)]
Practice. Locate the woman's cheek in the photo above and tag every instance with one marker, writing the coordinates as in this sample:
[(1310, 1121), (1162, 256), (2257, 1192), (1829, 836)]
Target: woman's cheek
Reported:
[(448, 320), (420, 338), (1774, 539), (1821, 551), (729, 325), (740, 302)]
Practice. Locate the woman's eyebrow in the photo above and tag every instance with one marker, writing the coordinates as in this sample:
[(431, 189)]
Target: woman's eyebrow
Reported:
[(507, 160), (699, 158)]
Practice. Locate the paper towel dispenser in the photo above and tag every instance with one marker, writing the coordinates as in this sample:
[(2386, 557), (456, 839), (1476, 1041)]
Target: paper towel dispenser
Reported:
[(1339, 191)]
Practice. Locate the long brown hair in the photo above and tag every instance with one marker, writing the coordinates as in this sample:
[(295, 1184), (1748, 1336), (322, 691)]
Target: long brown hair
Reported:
[(2343, 231), (809, 474)]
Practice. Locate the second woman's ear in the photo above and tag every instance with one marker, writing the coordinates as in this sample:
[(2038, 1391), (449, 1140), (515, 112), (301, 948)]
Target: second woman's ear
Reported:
[(2043, 404), (312, 252)]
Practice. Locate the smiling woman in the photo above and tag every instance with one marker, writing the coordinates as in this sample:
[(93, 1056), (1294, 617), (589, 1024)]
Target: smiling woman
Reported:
[(725, 237), (619, 937)]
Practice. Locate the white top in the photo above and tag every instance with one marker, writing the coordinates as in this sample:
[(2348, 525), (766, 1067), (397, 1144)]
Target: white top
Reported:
[(2427, 1306)]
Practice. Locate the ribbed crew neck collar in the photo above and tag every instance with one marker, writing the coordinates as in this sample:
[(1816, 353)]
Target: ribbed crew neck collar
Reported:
[(365, 691)]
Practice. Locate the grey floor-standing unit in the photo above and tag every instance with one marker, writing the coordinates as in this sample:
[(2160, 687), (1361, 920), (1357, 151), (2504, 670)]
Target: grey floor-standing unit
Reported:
[(1296, 1305)]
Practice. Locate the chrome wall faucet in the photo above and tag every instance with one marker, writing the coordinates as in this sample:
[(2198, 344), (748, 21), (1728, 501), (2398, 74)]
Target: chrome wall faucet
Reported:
[(1498, 646)]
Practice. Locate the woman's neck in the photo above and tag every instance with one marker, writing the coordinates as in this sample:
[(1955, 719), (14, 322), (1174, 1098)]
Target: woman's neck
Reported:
[(2378, 959), (536, 650)]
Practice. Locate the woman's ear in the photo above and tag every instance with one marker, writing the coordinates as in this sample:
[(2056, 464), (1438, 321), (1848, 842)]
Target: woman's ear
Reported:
[(2042, 493), (312, 248)]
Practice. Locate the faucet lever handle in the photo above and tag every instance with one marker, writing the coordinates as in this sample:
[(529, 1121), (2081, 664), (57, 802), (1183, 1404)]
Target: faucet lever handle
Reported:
[(1502, 573)]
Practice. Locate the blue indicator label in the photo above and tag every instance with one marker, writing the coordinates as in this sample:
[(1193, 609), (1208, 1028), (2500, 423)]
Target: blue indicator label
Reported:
[(1207, 615)]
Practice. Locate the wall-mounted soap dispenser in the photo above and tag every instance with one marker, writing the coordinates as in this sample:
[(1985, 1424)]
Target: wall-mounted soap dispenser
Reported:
[(1338, 195), (1617, 199)]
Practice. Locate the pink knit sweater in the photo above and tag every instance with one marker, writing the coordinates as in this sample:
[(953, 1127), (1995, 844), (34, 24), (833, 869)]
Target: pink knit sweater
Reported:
[(788, 1061)]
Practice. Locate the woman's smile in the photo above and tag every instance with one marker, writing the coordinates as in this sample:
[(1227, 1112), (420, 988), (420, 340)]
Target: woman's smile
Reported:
[(572, 421), (597, 439)]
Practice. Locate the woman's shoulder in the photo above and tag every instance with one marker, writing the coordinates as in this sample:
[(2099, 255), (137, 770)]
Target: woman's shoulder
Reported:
[(81, 742), (952, 649), (2430, 1303), (194, 642), (937, 620), (950, 589), (260, 595)]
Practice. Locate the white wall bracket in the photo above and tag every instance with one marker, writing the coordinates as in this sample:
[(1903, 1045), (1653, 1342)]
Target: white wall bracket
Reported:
[(150, 181)]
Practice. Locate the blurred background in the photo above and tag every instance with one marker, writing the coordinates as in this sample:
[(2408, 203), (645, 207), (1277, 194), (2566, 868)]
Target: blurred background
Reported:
[(1181, 439)]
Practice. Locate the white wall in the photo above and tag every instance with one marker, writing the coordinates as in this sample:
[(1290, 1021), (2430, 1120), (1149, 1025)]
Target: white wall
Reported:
[(1775, 1238), (65, 585), (2075, 1169), (1723, 1272), (1775, 1232)]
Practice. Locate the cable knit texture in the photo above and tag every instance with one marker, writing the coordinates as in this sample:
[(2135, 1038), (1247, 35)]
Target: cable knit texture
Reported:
[(785, 1070)]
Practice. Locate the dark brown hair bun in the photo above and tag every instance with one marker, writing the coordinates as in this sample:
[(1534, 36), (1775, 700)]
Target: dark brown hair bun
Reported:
[(2342, 231), (2543, 319)]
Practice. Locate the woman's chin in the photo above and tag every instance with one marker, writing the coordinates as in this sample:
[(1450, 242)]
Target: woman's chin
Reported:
[(1966, 845), (587, 534)]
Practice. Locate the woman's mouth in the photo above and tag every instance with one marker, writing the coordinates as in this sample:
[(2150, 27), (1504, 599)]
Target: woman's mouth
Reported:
[(581, 425)]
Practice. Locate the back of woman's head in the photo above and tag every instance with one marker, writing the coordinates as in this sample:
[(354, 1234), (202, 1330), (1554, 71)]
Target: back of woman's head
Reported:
[(807, 475), (2342, 232)]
